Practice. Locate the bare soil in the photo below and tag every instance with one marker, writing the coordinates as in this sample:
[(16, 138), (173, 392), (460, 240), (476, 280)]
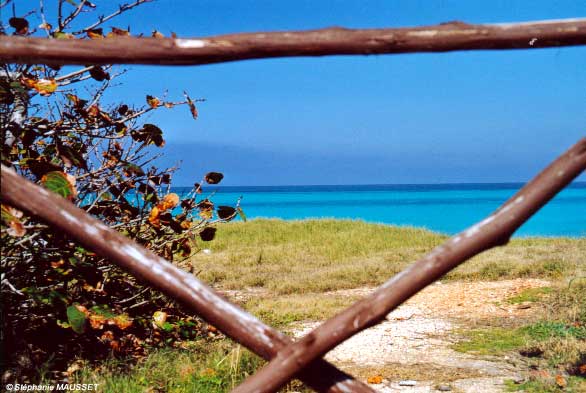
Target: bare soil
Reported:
[(414, 342)]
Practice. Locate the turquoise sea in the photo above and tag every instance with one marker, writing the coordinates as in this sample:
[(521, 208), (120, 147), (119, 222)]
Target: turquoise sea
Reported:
[(446, 208)]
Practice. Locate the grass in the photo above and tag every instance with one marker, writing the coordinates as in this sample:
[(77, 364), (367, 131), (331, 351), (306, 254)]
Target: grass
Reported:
[(313, 256), (496, 340), (204, 367), (548, 385), (291, 264), (281, 311), (530, 295), (556, 343), (490, 341)]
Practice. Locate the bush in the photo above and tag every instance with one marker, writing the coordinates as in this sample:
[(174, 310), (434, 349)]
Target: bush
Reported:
[(61, 300)]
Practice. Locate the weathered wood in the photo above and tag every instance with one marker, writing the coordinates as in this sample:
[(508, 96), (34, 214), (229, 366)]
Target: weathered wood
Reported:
[(495, 230), (154, 270), (444, 37)]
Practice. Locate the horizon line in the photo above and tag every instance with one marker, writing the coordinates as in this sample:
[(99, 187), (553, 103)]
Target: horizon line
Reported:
[(516, 183)]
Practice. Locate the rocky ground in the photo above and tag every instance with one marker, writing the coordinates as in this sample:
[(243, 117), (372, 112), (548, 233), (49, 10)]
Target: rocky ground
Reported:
[(411, 351)]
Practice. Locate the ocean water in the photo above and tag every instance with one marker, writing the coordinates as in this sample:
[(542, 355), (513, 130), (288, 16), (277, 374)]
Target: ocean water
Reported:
[(446, 208)]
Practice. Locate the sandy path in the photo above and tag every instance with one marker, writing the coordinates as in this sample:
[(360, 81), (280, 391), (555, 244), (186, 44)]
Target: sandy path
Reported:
[(414, 342)]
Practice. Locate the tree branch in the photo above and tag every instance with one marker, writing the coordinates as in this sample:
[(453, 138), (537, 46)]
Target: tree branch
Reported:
[(332, 41), (177, 283), (495, 230)]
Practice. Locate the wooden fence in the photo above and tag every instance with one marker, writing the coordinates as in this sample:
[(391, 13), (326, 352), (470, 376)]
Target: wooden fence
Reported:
[(303, 358)]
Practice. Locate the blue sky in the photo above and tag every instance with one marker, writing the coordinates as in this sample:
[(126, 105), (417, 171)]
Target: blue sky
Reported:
[(479, 116)]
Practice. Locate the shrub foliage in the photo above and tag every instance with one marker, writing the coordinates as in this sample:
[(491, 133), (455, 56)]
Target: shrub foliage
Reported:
[(61, 300)]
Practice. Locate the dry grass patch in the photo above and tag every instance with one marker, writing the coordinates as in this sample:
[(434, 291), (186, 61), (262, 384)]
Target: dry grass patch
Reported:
[(312, 256), (283, 310), (415, 372)]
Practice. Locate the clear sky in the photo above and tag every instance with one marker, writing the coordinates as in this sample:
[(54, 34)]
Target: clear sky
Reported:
[(474, 116)]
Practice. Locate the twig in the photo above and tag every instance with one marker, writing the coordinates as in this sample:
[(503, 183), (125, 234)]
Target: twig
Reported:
[(9, 285), (72, 15), (72, 74), (102, 19)]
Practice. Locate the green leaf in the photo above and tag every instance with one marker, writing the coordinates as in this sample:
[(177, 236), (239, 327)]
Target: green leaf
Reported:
[(241, 213), (70, 156), (133, 169), (103, 310), (76, 318), (57, 182)]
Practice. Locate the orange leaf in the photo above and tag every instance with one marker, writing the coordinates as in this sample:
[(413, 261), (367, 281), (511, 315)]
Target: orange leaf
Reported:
[(108, 335), (11, 217), (154, 217), (93, 111), (57, 264), (119, 32), (169, 201), (153, 101), (97, 321), (375, 380), (206, 214), (95, 34), (82, 309), (28, 82), (123, 321), (46, 87), (561, 381)]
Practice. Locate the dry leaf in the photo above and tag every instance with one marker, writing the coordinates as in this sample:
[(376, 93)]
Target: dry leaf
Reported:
[(153, 101), (154, 217), (95, 34), (561, 381), (118, 32), (375, 380), (169, 202), (159, 318), (57, 264), (45, 87)]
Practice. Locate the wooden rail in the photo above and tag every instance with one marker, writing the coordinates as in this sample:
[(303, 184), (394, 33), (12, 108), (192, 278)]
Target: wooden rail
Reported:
[(331, 41), (495, 230), (302, 358)]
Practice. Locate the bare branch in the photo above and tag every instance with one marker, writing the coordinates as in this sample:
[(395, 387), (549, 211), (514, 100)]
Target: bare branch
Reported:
[(332, 41), (73, 74), (495, 230), (72, 15), (102, 19)]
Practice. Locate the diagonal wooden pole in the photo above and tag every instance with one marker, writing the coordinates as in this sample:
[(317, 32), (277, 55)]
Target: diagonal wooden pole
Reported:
[(177, 283), (495, 230), (444, 37)]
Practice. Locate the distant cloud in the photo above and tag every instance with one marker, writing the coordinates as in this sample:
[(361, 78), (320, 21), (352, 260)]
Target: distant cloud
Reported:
[(243, 165)]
